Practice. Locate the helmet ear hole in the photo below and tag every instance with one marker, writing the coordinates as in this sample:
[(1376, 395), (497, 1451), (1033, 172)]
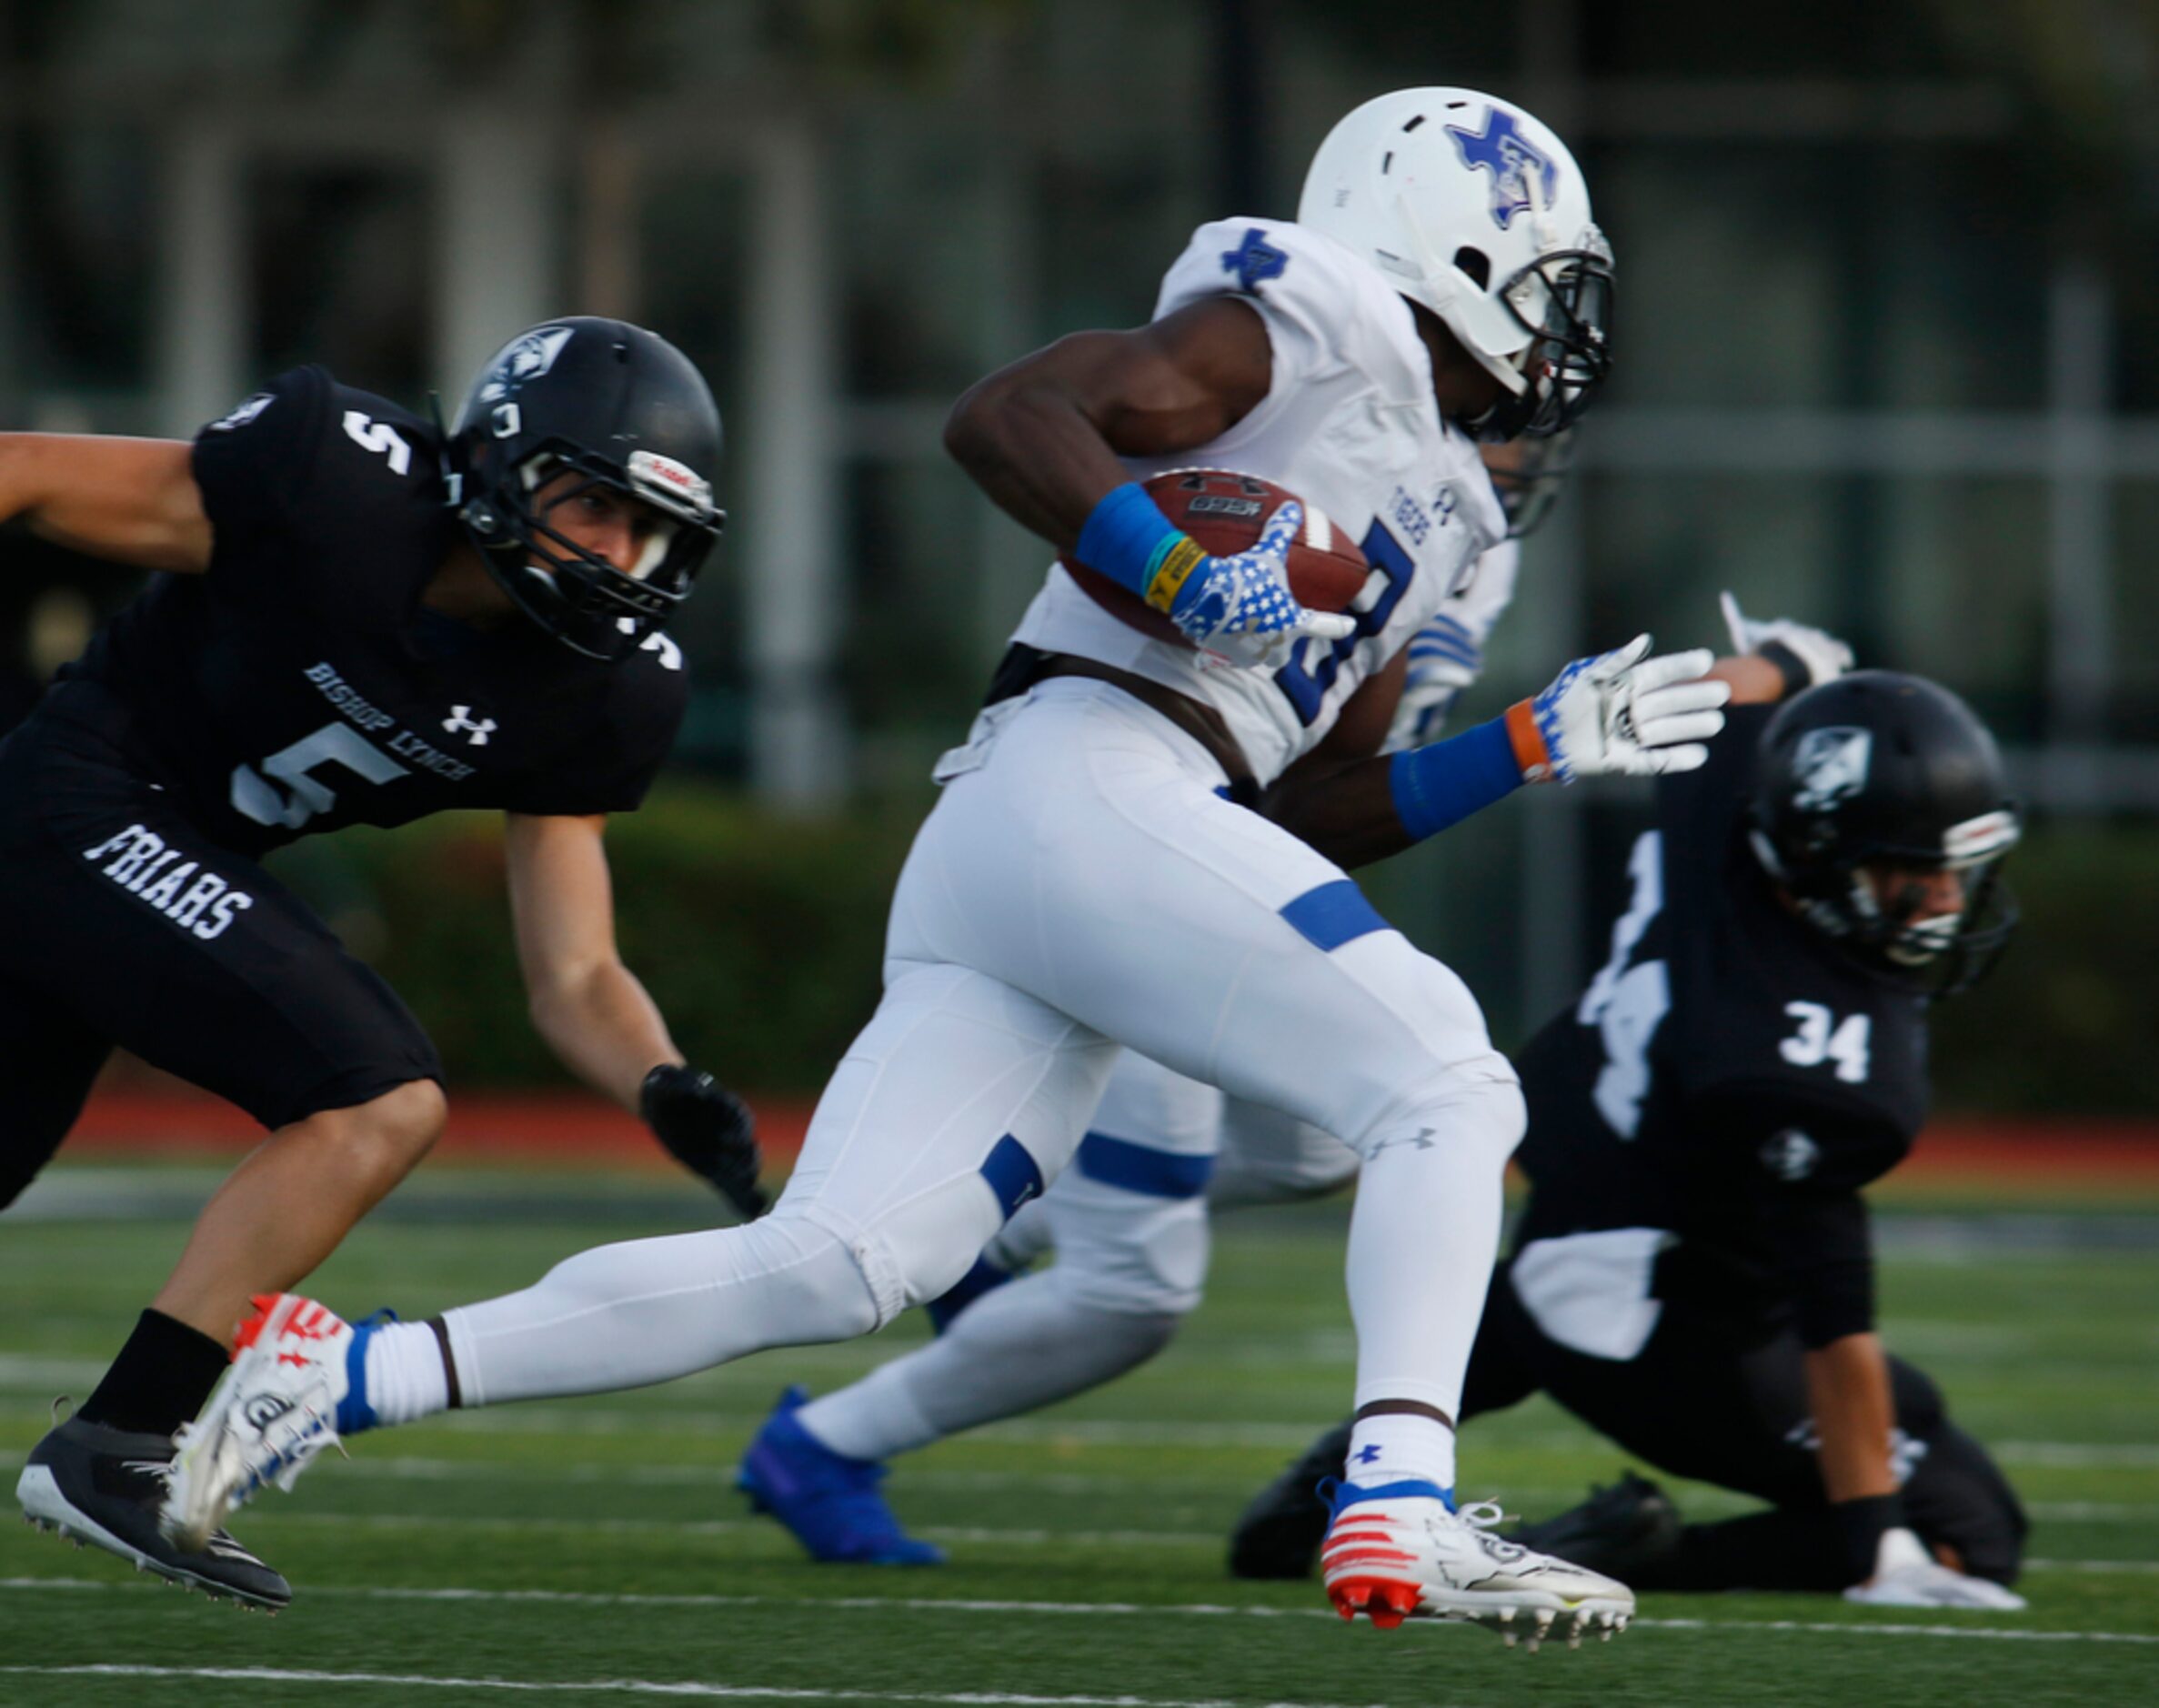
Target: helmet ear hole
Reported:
[(1476, 264)]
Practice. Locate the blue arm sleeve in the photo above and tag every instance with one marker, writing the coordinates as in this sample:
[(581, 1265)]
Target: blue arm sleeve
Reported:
[(1127, 537), (1441, 785)]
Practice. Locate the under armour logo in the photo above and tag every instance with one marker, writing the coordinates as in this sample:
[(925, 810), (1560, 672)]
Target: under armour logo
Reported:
[(1368, 1455), (461, 722), (264, 1409), (1257, 259), (1422, 1139), (1501, 149)]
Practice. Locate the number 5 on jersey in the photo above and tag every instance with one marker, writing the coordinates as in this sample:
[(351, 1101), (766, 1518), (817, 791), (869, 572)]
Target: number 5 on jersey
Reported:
[(305, 796)]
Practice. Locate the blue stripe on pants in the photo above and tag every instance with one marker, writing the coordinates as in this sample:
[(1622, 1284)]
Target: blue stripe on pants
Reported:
[(1334, 914), (1013, 1175), (1142, 1168)]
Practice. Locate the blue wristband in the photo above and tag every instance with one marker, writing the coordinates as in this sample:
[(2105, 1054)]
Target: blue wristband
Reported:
[(1127, 537), (1441, 785)]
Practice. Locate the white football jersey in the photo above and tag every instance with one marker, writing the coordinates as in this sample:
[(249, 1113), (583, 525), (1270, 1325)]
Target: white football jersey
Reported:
[(1349, 425)]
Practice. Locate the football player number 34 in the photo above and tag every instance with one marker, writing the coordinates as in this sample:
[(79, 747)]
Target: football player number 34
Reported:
[(285, 791), (1822, 1036)]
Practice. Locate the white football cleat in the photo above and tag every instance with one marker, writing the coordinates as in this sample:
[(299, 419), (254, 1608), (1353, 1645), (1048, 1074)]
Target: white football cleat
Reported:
[(270, 1414), (1398, 1552)]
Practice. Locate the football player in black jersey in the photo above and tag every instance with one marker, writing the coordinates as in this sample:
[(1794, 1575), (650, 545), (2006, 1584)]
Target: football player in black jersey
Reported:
[(362, 620), (1692, 1274)]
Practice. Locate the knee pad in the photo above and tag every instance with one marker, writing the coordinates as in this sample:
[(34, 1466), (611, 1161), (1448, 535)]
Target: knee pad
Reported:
[(1127, 1252), (821, 1288), (1268, 1157), (1467, 1104), (918, 1251)]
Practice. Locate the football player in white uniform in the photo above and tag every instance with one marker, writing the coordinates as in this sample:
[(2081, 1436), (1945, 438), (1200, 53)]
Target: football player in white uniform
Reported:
[(1089, 878), (1128, 1220)]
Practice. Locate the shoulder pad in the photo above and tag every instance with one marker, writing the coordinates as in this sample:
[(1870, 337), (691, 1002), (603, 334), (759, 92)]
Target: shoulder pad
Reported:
[(1325, 308)]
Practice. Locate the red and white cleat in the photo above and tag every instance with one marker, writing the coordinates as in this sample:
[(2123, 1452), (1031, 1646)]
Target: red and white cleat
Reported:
[(1400, 1550), (276, 1407)]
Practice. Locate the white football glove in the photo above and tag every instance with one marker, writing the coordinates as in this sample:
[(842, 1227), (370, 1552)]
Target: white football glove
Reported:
[(1907, 1575), (1241, 606), (1437, 676), (1622, 712), (1820, 653)]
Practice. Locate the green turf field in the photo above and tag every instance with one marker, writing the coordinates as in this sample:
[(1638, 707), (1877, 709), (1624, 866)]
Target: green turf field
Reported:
[(593, 1551)]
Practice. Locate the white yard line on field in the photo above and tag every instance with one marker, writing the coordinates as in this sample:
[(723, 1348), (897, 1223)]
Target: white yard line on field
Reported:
[(1113, 1610), (691, 1688)]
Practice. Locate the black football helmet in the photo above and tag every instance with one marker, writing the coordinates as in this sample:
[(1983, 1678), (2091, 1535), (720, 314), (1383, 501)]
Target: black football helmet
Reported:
[(625, 409), (1879, 766)]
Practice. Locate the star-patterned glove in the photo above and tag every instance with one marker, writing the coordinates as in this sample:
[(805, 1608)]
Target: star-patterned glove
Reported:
[(1241, 606)]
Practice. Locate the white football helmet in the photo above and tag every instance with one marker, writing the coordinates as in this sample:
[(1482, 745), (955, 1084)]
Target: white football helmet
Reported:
[(1476, 211)]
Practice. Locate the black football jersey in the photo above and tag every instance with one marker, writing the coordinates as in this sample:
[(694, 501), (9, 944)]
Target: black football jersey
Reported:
[(300, 685), (1729, 1075)]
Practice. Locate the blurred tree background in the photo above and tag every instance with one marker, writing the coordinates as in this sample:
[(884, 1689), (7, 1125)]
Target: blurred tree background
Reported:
[(1886, 361)]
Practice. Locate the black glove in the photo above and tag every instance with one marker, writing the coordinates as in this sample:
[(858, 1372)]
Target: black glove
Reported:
[(707, 1128)]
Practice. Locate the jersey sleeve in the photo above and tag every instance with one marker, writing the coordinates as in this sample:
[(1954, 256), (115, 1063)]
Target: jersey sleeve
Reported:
[(1788, 1174), (1325, 310), (300, 472), (253, 465), (1698, 808)]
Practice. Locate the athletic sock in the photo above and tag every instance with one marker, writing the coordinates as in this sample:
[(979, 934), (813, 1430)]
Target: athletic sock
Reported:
[(402, 1377), (872, 1419), (1013, 1350), (1423, 1236), (1399, 1447), (160, 1379)]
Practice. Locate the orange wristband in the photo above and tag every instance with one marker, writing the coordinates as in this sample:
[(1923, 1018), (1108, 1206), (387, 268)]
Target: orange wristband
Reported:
[(1527, 740)]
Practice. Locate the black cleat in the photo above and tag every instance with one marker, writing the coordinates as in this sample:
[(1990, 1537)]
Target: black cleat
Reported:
[(1280, 1531), (103, 1486), (1623, 1530)]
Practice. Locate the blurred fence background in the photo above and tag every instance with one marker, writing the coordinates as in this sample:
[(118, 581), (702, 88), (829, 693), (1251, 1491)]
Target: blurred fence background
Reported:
[(1887, 360)]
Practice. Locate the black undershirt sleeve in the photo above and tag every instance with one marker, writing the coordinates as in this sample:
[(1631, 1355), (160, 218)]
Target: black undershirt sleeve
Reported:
[(1786, 1174), (1822, 1247)]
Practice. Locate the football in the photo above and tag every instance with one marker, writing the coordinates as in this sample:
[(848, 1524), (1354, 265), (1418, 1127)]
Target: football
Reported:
[(1224, 512)]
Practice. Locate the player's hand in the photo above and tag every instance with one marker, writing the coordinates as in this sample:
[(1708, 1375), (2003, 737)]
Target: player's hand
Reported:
[(1621, 712), (1444, 660), (1819, 657), (1907, 1575), (1241, 606), (709, 1129)]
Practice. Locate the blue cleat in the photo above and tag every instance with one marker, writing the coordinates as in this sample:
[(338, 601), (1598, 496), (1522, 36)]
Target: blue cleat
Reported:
[(829, 1502)]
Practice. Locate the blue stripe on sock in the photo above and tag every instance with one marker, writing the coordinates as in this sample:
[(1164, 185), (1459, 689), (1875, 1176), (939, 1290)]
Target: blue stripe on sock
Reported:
[(1334, 914), (1013, 1175), (353, 1413), (1142, 1168), (1349, 1493)]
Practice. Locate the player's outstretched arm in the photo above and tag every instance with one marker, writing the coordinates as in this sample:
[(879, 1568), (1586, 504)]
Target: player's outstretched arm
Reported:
[(598, 1019), (1619, 712), (131, 501)]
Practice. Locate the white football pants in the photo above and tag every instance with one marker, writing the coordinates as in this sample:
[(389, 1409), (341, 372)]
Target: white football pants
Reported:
[(1082, 887), (1128, 1220)]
